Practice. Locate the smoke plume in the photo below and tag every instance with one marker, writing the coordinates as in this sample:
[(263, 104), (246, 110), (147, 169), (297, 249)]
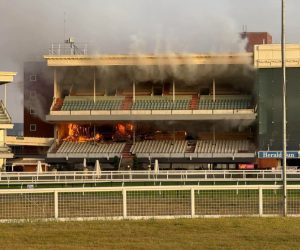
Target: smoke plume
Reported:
[(135, 26)]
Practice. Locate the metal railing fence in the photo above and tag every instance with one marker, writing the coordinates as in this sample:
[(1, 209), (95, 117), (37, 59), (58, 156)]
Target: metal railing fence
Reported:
[(58, 49), (146, 202), (23, 178)]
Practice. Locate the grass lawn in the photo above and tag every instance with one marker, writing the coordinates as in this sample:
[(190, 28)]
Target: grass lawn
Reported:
[(225, 233)]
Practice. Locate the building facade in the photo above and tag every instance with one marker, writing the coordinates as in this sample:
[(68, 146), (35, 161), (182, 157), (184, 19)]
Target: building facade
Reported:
[(5, 120), (38, 93)]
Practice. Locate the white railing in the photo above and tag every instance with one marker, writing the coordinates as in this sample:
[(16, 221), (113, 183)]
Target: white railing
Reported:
[(58, 49), (146, 202), (152, 112), (24, 178)]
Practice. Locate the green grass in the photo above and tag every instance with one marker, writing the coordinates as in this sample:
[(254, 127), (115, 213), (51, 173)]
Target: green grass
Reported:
[(225, 233)]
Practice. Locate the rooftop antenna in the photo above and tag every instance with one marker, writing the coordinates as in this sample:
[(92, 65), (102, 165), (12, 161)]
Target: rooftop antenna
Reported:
[(245, 28)]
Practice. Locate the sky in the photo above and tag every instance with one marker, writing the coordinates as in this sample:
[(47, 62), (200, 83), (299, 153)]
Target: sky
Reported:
[(28, 27)]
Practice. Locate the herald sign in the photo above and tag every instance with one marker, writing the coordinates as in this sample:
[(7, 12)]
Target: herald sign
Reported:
[(278, 154)]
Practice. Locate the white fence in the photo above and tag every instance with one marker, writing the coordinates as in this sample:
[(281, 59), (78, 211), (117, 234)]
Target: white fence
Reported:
[(145, 176), (145, 202)]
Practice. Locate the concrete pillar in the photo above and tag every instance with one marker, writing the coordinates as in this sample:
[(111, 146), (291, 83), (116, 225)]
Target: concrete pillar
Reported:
[(55, 84), (214, 134), (94, 133), (134, 135), (94, 85), (133, 91), (5, 95), (214, 90), (1, 164), (174, 94)]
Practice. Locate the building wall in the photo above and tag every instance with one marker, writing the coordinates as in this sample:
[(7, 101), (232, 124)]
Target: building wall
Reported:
[(38, 94), (256, 38), (269, 87)]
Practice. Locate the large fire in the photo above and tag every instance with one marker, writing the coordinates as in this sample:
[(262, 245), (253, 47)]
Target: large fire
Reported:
[(123, 132), (85, 133), (82, 133)]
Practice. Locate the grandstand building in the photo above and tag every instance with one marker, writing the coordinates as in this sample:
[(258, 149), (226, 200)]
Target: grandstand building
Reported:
[(200, 111), (187, 111), (5, 120)]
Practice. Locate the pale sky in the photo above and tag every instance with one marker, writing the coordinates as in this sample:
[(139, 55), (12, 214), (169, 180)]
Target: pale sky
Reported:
[(27, 28)]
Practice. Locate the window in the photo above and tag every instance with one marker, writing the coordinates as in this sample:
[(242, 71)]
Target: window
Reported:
[(32, 127), (32, 111), (32, 78)]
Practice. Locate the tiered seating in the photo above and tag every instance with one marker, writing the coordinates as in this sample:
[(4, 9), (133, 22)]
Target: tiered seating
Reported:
[(87, 103), (4, 118), (162, 147), (182, 102), (90, 147), (162, 103), (223, 146), (224, 102)]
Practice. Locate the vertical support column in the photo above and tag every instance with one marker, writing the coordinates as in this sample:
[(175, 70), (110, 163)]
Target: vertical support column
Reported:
[(174, 91), (94, 85), (4, 131), (4, 166), (56, 135), (192, 202), (134, 127), (55, 83), (214, 134), (214, 90), (124, 193), (260, 201), (56, 204), (5, 95), (284, 115), (133, 92), (94, 133), (174, 139)]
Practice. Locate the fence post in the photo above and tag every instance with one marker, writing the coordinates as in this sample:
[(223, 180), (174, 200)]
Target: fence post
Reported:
[(192, 202), (56, 204), (260, 201), (124, 192)]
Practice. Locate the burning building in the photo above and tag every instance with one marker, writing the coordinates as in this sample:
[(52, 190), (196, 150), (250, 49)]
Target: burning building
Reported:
[(198, 111), (184, 110)]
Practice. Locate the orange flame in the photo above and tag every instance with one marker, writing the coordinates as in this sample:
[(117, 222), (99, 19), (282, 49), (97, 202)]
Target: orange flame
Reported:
[(79, 133)]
